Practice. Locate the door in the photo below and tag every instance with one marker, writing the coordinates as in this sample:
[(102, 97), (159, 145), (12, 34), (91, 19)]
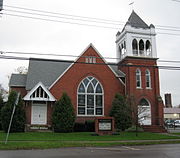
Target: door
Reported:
[(39, 114)]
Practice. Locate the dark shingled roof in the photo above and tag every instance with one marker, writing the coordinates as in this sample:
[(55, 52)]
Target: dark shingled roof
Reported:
[(45, 71), (115, 69), (18, 80), (135, 21)]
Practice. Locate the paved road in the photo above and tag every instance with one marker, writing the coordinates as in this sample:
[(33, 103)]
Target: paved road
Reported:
[(149, 151)]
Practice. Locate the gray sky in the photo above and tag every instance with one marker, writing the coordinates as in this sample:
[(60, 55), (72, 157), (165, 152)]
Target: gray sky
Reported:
[(28, 35)]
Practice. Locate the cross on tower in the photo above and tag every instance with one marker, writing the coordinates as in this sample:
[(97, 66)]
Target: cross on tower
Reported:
[(132, 4)]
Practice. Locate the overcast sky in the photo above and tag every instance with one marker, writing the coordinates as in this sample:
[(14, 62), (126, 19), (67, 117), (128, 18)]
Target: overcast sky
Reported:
[(36, 36)]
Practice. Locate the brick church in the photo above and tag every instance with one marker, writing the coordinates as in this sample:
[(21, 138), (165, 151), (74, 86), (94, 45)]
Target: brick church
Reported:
[(92, 82)]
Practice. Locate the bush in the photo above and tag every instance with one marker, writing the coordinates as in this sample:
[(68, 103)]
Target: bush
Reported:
[(121, 113), (90, 125), (18, 122), (63, 116), (79, 127)]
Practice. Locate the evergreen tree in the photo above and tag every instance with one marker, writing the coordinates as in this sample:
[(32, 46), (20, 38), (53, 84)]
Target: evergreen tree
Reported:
[(121, 113), (1, 105), (63, 117), (18, 122)]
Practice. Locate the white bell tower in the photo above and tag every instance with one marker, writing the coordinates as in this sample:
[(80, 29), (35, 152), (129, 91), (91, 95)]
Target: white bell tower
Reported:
[(137, 39)]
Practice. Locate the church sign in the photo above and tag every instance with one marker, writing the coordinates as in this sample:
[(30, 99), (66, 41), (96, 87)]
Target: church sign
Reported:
[(104, 125)]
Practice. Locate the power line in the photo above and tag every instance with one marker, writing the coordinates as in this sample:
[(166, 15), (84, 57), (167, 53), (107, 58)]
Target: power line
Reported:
[(75, 56), (99, 20), (82, 24), (68, 61), (84, 17), (175, 0), (30, 17), (78, 19), (61, 17)]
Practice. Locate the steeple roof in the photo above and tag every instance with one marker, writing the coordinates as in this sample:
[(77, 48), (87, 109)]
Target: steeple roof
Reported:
[(135, 21)]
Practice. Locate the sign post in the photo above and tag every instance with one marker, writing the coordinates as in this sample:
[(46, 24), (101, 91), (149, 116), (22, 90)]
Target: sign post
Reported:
[(14, 108)]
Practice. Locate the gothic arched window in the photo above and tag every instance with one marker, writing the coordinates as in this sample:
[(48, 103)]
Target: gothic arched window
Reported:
[(138, 78), (90, 97), (135, 47), (148, 79)]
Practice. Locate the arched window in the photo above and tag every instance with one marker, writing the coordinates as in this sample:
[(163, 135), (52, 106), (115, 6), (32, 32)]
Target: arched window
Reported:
[(148, 48), (144, 102), (148, 79), (138, 78), (141, 47), (135, 47), (90, 97)]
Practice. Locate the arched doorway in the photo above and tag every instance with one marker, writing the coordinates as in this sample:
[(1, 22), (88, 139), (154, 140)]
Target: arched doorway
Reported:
[(144, 112)]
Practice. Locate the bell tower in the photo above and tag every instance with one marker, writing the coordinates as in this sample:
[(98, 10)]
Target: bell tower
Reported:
[(136, 39), (137, 58)]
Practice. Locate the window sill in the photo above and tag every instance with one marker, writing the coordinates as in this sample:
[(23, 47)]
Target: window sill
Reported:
[(139, 88), (149, 88)]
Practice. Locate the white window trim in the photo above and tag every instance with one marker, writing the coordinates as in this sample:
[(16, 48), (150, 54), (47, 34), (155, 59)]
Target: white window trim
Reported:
[(94, 94), (149, 76), (40, 84), (140, 80)]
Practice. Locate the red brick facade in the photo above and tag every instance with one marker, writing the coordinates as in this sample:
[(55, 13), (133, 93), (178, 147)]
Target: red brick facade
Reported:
[(70, 81), (129, 66), (111, 85)]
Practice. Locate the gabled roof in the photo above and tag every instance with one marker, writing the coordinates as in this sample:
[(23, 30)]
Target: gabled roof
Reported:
[(50, 71), (45, 71), (18, 80), (135, 21), (40, 84), (111, 67)]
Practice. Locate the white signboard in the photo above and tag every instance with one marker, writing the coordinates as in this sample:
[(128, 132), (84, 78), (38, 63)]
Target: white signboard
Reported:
[(105, 125)]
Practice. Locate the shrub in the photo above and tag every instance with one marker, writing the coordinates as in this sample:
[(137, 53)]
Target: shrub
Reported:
[(90, 125), (121, 113), (79, 127), (18, 122), (63, 116)]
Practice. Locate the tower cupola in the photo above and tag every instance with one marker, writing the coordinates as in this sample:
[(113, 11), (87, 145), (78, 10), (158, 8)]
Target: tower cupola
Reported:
[(136, 39)]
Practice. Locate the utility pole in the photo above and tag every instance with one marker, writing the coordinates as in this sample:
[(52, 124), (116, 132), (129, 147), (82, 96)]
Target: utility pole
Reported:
[(14, 108)]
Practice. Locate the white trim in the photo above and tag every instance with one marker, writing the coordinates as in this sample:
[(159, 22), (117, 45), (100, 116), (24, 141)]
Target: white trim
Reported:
[(94, 95), (90, 45), (40, 84)]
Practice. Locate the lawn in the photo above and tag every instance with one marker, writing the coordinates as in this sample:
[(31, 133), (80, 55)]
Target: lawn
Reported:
[(44, 140)]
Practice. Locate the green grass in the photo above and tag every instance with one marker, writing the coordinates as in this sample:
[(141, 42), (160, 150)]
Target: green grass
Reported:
[(44, 140), (82, 136)]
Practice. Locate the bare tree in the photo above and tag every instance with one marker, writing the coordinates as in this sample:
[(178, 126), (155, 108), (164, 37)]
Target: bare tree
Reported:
[(21, 70)]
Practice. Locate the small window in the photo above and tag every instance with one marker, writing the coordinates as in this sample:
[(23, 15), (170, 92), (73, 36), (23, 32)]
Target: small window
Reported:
[(90, 59), (148, 79), (138, 78)]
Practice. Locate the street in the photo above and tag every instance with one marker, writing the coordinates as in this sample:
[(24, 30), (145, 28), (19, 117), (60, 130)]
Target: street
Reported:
[(148, 151)]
